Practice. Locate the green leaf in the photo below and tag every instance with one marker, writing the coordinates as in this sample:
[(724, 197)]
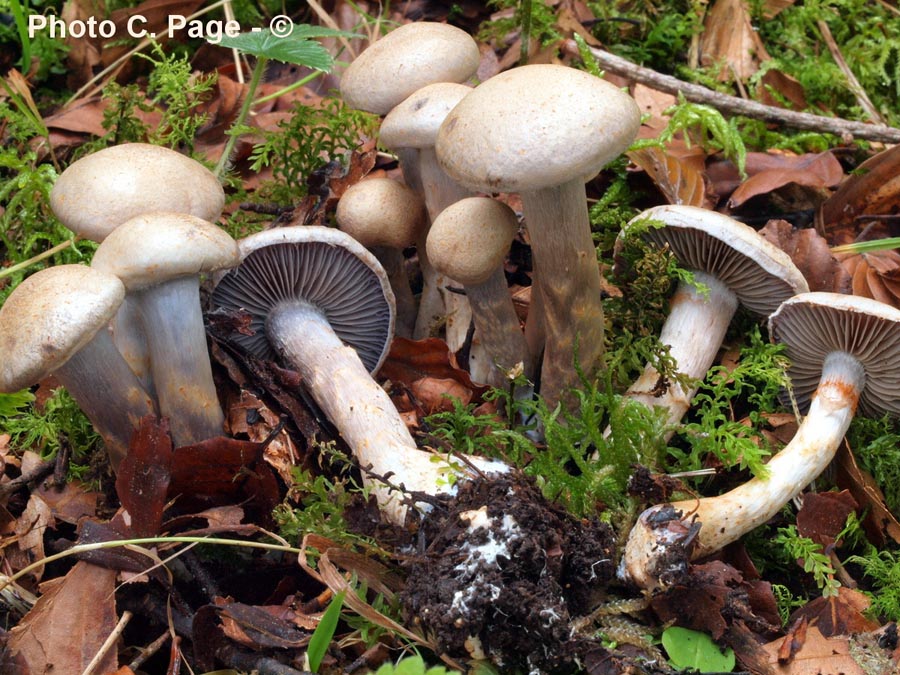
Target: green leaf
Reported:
[(692, 649), (297, 48), (321, 637), (413, 665)]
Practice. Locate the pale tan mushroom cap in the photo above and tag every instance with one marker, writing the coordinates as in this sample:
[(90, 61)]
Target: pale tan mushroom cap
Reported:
[(153, 248), (96, 194), (407, 59), (469, 240), (759, 273), (414, 123), (381, 212), (536, 126), (49, 317), (813, 325)]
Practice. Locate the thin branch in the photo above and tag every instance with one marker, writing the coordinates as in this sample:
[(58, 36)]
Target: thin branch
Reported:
[(737, 106)]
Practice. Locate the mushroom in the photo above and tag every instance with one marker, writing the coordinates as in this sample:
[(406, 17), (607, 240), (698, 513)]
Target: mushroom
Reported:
[(468, 241), (160, 257), (407, 59), (541, 130), (100, 191), (55, 321), (845, 353), (386, 216), (411, 128), (321, 301), (735, 265)]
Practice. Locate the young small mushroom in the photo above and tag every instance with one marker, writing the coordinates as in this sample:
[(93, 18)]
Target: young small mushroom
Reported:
[(319, 300), (100, 191), (386, 216), (541, 131), (412, 127), (736, 266), (845, 353), (160, 257), (468, 241), (56, 321)]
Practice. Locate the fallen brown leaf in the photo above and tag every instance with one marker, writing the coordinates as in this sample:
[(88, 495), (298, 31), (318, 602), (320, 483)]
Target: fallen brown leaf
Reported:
[(678, 172), (879, 523), (843, 614), (817, 655), (728, 40), (70, 621), (874, 274), (770, 171), (824, 514), (810, 253), (144, 475)]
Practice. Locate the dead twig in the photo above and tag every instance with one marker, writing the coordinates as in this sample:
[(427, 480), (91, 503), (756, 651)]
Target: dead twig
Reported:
[(737, 106), (861, 96)]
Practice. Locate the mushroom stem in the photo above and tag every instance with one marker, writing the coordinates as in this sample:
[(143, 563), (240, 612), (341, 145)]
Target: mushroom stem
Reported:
[(394, 265), (359, 408), (694, 332), (106, 390), (182, 372), (439, 192), (497, 328), (567, 277), (131, 340), (728, 517)]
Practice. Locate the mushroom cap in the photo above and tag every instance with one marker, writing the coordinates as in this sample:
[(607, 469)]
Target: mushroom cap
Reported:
[(536, 126), (759, 273), (153, 248), (319, 266), (381, 212), (49, 317), (468, 241), (406, 59), (812, 325), (414, 123), (99, 192)]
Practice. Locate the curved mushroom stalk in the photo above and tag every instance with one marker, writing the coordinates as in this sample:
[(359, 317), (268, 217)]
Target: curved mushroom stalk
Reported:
[(182, 372), (694, 332), (728, 517), (359, 408), (109, 394)]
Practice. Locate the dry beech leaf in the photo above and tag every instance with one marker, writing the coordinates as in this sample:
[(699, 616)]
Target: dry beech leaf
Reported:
[(773, 171), (843, 614), (69, 623), (817, 655), (874, 274), (679, 176), (777, 88), (880, 524), (824, 514), (873, 189), (729, 39), (810, 253), (772, 8)]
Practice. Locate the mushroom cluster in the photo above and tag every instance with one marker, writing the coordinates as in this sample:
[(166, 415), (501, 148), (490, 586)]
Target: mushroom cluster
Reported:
[(126, 335)]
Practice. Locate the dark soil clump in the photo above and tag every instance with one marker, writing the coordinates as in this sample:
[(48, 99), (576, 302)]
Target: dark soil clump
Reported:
[(504, 572)]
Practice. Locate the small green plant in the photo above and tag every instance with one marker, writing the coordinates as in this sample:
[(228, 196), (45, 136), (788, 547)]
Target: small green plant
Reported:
[(532, 19), (883, 568), (811, 556), (691, 649), (44, 430), (876, 445), (757, 379), (413, 665), (310, 137), (786, 602)]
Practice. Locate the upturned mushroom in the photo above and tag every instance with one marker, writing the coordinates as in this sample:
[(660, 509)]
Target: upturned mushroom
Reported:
[(56, 321), (321, 301), (845, 354), (99, 192), (735, 266), (160, 257), (386, 217), (468, 241), (541, 131), (410, 130)]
